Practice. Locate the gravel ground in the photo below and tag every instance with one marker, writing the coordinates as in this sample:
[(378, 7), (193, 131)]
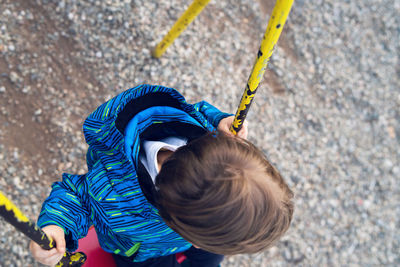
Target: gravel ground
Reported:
[(327, 113)]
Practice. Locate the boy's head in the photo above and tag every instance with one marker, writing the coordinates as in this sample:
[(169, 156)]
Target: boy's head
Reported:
[(221, 194)]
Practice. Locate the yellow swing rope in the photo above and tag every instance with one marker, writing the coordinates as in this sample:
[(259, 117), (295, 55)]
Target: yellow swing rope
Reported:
[(9, 207), (271, 36), (180, 25)]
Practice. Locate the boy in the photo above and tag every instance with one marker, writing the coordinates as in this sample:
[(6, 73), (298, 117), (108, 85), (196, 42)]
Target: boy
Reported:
[(161, 181)]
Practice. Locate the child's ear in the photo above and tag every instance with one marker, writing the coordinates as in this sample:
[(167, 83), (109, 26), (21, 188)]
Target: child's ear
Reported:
[(194, 245)]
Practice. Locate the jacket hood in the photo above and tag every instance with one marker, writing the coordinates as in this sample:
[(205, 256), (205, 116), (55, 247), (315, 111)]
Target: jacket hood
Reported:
[(111, 118)]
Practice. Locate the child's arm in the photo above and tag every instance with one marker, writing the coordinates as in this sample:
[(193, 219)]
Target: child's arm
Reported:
[(67, 208), (220, 120), (212, 114)]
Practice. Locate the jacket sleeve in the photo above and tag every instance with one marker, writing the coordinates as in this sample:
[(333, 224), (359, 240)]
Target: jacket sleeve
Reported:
[(211, 113), (66, 208)]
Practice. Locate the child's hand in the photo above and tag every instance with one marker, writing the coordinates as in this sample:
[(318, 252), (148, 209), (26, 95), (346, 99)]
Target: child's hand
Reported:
[(53, 256), (225, 124)]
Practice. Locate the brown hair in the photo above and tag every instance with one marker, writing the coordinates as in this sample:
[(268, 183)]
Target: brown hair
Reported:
[(220, 193)]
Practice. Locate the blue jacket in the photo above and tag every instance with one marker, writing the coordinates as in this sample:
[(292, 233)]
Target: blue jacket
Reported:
[(110, 195)]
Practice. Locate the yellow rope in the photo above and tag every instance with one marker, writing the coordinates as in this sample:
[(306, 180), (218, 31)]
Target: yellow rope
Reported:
[(271, 36), (180, 25), (9, 206)]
